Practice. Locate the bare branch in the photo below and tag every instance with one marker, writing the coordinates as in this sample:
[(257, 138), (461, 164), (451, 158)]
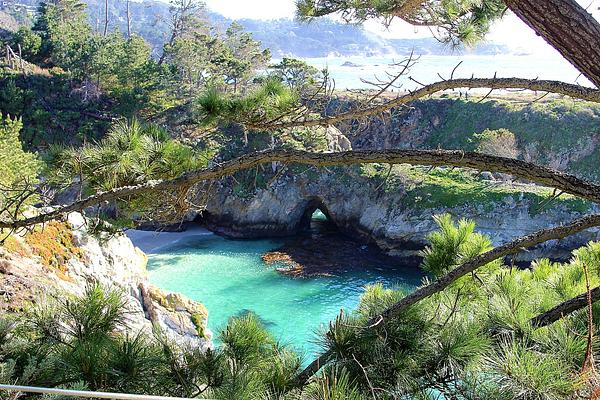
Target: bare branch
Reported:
[(521, 169), (405, 66)]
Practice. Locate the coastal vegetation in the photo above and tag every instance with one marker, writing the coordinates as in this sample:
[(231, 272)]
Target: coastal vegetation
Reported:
[(494, 334), (150, 20), (130, 136)]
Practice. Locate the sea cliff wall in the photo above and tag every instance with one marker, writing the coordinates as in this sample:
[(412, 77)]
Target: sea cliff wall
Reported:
[(396, 220)]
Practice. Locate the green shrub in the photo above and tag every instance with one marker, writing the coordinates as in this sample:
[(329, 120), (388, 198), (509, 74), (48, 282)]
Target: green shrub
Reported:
[(500, 142), (18, 169), (29, 41)]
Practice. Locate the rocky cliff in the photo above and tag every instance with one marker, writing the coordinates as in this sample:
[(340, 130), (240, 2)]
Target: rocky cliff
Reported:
[(397, 220), (394, 208), (64, 257), (558, 132)]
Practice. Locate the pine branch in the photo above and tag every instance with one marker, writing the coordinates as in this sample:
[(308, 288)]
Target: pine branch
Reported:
[(565, 308), (574, 91), (443, 282), (408, 9), (521, 169)]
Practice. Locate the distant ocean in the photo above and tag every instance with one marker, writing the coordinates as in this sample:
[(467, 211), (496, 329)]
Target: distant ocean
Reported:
[(348, 71)]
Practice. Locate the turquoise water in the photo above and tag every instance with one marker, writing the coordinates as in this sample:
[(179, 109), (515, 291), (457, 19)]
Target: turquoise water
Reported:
[(230, 278)]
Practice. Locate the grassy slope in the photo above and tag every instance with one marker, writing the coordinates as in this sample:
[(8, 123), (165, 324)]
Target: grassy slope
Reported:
[(447, 187), (546, 130)]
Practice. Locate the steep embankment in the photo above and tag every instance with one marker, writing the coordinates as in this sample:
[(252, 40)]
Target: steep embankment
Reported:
[(558, 132), (394, 208), (64, 257)]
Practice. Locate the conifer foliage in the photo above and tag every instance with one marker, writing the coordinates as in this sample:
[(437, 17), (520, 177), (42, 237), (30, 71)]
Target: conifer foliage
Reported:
[(474, 340)]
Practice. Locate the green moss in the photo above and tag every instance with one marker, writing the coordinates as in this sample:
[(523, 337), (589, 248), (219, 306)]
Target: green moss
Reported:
[(198, 321), (571, 203)]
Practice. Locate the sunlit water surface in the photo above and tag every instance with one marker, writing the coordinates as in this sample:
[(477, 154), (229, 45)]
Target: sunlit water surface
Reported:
[(426, 70), (230, 278)]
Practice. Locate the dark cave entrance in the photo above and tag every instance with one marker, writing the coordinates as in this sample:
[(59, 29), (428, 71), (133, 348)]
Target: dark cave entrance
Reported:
[(316, 219)]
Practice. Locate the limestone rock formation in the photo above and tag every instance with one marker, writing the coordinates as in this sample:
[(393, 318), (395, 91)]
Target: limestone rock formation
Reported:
[(336, 141), (389, 219), (110, 260), (182, 319)]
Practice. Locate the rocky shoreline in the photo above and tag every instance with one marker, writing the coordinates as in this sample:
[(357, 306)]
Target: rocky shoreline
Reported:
[(384, 219), (111, 261)]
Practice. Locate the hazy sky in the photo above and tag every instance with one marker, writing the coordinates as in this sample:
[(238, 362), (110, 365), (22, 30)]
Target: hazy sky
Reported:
[(510, 31)]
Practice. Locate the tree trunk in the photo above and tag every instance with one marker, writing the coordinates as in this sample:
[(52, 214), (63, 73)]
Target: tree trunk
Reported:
[(105, 17), (170, 42), (567, 27), (128, 22)]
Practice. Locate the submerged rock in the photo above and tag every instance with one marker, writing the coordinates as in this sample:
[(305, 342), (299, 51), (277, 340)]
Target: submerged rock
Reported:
[(329, 254)]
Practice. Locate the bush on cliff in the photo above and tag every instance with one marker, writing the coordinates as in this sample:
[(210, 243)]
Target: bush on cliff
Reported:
[(18, 169)]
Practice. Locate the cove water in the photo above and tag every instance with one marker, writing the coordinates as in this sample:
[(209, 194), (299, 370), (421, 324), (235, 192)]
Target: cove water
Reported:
[(230, 278)]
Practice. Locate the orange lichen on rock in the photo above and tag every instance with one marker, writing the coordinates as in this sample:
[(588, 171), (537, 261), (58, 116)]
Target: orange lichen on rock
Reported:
[(54, 244), (15, 246), (278, 257)]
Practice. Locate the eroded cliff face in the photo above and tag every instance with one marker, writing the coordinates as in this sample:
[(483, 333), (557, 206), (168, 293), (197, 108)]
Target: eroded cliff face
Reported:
[(388, 219), (559, 133), (393, 219), (112, 261)]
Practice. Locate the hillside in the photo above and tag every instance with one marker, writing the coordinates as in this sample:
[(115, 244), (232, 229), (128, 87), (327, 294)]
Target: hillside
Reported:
[(284, 37)]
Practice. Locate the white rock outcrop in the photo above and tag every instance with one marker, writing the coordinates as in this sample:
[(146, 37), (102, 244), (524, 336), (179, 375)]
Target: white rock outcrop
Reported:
[(112, 261)]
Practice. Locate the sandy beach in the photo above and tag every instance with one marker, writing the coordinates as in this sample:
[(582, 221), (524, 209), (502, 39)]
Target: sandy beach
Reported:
[(151, 242)]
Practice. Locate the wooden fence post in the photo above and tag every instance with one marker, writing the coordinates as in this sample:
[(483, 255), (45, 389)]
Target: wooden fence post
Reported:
[(21, 58)]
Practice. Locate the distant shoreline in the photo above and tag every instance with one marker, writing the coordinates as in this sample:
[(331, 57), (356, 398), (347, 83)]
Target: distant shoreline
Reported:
[(350, 71)]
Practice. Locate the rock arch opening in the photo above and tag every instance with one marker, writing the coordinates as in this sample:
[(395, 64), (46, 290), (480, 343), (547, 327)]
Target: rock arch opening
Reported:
[(316, 218)]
